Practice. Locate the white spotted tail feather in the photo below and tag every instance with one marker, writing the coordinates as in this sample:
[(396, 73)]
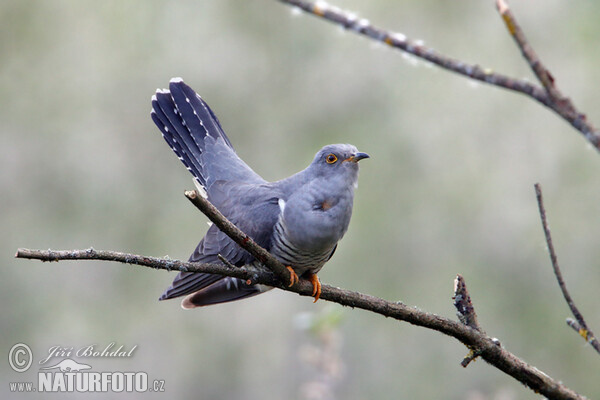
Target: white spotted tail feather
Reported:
[(194, 133)]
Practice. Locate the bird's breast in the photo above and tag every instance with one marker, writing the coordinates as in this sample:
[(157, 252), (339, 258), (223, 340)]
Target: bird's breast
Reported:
[(316, 224)]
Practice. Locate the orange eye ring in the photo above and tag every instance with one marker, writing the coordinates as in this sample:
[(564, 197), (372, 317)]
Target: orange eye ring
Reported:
[(331, 158)]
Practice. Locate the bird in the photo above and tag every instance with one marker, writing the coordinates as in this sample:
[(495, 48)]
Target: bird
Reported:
[(299, 219)]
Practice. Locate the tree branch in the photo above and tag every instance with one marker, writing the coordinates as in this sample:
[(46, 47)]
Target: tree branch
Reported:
[(559, 103), (547, 95), (579, 325), (529, 54), (477, 341), (488, 348)]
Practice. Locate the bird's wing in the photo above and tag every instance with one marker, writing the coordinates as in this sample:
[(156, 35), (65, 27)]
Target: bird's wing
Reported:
[(194, 133), (255, 210)]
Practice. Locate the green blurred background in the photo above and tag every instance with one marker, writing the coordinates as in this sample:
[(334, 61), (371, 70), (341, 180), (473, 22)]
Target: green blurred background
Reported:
[(449, 189)]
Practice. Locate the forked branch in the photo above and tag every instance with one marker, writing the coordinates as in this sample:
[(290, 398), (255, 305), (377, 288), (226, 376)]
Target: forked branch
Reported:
[(547, 94)]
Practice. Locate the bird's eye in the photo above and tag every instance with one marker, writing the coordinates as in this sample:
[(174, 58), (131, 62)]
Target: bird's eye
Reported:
[(331, 158)]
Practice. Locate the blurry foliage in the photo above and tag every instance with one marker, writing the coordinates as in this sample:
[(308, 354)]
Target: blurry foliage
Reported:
[(449, 187)]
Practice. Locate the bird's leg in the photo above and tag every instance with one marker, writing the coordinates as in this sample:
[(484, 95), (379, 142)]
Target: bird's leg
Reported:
[(316, 283), (293, 276)]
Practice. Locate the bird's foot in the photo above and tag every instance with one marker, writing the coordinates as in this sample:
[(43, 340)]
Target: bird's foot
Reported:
[(316, 283), (293, 276)]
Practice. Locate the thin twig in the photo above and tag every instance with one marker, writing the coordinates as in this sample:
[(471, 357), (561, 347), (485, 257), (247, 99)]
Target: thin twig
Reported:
[(558, 102), (471, 356), (486, 347), (581, 326), (466, 313), (464, 307), (225, 261), (348, 20), (540, 71)]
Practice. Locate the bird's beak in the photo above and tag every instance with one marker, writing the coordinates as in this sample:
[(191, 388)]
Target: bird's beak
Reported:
[(357, 157)]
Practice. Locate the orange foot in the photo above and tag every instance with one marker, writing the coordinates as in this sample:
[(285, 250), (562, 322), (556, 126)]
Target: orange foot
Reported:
[(316, 283), (293, 276)]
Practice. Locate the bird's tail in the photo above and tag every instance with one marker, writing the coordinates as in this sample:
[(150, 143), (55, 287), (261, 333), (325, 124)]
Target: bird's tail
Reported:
[(222, 291), (185, 120)]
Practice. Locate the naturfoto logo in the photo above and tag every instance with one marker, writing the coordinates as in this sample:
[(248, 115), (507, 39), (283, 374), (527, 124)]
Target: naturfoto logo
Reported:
[(60, 372)]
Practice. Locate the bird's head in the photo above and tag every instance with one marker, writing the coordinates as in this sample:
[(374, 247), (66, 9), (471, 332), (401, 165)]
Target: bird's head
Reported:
[(337, 160)]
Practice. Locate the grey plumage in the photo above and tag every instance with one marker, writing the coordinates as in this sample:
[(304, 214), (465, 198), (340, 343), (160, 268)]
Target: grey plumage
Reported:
[(299, 219)]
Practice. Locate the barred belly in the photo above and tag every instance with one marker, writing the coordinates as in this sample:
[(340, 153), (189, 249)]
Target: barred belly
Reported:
[(301, 260)]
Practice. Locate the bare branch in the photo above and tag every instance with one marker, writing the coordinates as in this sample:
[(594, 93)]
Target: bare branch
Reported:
[(480, 344), (580, 326), (555, 101), (262, 276), (350, 21), (529, 54), (561, 104)]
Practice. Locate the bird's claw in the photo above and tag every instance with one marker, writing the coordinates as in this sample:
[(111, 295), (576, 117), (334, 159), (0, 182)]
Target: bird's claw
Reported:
[(312, 278), (316, 283), (293, 276)]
